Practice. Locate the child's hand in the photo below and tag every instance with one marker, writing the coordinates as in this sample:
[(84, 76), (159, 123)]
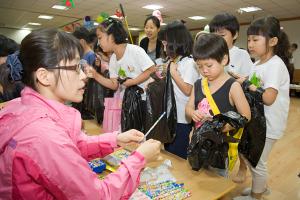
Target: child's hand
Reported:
[(197, 116), (90, 71), (98, 60), (150, 149), (239, 78), (131, 136), (227, 128)]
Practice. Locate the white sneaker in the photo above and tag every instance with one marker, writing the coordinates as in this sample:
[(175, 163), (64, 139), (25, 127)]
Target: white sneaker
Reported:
[(244, 198), (247, 191)]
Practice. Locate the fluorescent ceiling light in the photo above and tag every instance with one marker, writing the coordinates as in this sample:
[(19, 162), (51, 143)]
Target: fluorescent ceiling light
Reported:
[(34, 24), (60, 7), (134, 29), (45, 17), (197, 17), (153, 7), (249, 9), (96, 23)]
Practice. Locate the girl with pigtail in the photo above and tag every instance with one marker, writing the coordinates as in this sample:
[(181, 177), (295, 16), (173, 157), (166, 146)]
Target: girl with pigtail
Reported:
[(268, 43)]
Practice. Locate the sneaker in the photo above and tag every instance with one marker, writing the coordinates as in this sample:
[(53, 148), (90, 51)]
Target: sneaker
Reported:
[(244, 198), (247, 191)]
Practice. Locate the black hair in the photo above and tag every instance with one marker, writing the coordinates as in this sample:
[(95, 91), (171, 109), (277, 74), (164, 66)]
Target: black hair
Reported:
[(11, 89), (269, 27), (46, 48), (7, 46), (154, 19), (224, 21), (294, 45), (179, 39), (92, 37), (210, 46), (82, 33), (114, 27)]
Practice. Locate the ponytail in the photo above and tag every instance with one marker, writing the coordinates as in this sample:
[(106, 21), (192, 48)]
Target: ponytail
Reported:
[(282, 47)]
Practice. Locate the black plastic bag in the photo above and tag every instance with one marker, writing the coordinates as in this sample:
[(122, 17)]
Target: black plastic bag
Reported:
[(170, 105), (209, 145), (160, 98), (254, 136), (132, 111), (94, 96), (154, 108)]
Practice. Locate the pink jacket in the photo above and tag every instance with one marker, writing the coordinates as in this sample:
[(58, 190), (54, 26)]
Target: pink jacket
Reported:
[(44, 154)]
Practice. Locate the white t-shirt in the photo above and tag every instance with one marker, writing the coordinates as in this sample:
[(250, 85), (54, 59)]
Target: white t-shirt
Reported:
[(188, 72), (240, 61), (274, 74), (134, 62)]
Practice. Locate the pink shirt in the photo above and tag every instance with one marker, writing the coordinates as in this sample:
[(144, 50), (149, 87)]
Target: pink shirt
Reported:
[(44, 154)]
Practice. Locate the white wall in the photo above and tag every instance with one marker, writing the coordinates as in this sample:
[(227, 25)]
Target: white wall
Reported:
[(291, 28), (14, 34)]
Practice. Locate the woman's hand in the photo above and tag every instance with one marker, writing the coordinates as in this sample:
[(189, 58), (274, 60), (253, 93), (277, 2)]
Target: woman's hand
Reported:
[(150, 149), (131, 136)]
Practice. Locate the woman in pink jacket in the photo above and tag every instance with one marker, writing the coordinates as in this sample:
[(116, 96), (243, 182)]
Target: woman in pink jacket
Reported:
[(43, 152)]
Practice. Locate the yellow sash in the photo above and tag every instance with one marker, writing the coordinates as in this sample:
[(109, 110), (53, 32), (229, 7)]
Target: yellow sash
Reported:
[(233, 147)]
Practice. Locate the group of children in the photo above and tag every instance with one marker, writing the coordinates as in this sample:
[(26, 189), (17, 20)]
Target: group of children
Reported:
[(53, 75)]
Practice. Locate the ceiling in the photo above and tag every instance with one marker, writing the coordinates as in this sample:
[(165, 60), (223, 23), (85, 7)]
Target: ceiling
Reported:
[(17, 13)]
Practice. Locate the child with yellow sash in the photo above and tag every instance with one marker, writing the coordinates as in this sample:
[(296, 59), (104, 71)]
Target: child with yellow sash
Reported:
[(216, 92)]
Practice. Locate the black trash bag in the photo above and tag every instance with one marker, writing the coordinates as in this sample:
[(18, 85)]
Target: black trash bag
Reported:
[(254, 136), (154, 108), (170, 105), (94, 99), (209, 145), (94, 96), (107, 92), (132, 111)]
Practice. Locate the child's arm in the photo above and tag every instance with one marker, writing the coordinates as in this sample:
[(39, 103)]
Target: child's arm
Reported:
[(141, 78), (183, 86), (110, 83), (269, 95), (239, 100)]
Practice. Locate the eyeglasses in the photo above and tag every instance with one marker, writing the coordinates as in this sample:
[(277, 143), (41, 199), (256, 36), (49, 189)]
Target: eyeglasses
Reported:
[(78, 67)]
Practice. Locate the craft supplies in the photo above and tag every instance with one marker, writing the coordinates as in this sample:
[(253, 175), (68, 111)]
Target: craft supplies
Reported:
[(97, 165), (165, 190), (114, 159)]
